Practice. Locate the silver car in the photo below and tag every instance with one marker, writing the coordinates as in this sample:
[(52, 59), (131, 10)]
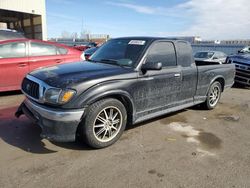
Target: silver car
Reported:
[(210, 56)]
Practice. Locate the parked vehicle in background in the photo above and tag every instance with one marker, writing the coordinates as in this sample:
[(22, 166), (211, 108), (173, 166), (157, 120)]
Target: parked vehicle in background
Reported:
[(242, 64), (6, 34), (245, 50), (84, 46), (215, 57), (127, 80), (20, 56), (89, 52)]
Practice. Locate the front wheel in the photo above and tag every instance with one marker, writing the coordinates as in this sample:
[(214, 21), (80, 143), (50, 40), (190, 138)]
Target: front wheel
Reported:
[(104, 123), (213, 96)]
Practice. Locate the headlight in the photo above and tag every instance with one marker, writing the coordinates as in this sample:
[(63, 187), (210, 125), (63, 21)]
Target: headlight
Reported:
[(58, 96)]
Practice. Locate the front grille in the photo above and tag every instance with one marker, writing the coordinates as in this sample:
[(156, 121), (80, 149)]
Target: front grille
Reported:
[(242, 70), (30, 88), (242, 66)]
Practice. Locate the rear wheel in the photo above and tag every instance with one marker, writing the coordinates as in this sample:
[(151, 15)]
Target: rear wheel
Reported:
[(213, 96), (104, 123)]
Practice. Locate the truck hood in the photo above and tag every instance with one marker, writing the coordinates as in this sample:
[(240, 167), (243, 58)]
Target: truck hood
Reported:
[(71, 75), (244, 58)]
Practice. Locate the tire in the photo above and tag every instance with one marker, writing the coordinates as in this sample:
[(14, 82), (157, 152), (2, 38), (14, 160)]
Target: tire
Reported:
[(104, 123), (213, 96)]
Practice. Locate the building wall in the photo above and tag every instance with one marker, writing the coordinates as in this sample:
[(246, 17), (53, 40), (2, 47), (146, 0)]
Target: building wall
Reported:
[(37, 7)]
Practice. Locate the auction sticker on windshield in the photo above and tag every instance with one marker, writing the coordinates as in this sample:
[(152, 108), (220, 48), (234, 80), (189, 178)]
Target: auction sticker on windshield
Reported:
[(137, 42)]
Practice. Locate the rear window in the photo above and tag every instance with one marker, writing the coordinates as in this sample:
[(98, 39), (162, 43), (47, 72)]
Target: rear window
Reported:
[(41, 49), (61, 51)]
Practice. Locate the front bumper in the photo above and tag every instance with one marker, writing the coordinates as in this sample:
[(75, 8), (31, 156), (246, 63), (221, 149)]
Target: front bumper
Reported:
[(57, 124)]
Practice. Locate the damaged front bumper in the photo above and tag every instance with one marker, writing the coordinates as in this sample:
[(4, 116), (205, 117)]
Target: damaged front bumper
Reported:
[(57, 124)]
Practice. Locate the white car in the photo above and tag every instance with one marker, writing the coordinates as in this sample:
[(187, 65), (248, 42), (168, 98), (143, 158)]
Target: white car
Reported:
[(210, 56), (245, 50)]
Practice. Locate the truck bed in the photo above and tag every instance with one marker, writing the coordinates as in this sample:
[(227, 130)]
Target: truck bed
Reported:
[(208, 73)]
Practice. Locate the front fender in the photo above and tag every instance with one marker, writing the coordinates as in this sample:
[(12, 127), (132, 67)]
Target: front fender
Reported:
[(93, 96), (116, 89)]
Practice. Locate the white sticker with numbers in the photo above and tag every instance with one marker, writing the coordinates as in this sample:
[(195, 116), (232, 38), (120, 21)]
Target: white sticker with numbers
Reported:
[(137, 42)]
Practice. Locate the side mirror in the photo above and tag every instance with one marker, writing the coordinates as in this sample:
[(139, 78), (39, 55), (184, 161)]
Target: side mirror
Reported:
[(151, 66), (215, 58)]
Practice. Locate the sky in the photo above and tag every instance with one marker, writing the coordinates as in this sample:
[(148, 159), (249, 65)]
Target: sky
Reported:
[(209, 19)]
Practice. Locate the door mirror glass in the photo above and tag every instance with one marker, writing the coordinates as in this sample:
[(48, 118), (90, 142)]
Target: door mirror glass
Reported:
[(151, 66)]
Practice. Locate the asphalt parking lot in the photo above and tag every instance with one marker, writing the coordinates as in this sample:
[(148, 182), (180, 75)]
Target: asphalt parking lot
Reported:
[(190, 148)]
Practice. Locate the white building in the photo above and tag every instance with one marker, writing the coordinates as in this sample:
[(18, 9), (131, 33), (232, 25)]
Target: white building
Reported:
[(27, 16)]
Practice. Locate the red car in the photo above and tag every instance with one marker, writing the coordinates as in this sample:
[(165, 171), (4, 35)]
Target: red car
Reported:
[(85, 45), (20, 56)]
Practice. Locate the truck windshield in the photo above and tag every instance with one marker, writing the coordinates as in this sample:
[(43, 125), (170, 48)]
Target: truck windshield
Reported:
[(122, 52), (204, 55)]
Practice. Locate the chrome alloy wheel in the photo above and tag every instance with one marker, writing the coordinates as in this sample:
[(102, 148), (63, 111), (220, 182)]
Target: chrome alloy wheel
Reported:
[(214, 95), (107, 124)]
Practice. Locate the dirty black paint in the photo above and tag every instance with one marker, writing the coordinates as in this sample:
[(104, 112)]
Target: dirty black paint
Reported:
[(148, 94)]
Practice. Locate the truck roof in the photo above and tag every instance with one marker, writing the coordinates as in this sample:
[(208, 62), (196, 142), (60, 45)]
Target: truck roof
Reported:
[(150, 38)]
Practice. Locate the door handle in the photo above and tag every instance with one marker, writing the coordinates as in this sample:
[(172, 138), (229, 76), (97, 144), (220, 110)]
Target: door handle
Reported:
[(177, 75), (59, 60), (22, 65)]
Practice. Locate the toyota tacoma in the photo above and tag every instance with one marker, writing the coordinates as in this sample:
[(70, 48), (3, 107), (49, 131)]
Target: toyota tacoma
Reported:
[(128, 80)]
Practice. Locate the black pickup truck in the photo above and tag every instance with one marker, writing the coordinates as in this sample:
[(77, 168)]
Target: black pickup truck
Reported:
[(128, 80)]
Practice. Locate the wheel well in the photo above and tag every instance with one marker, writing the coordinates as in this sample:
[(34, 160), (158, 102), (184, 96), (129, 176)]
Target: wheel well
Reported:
[(127, 104), (222, 82)]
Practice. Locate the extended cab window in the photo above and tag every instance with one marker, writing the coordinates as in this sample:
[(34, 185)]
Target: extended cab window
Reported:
[(185, 57), (11, 50), (40, 49), (163, 52)]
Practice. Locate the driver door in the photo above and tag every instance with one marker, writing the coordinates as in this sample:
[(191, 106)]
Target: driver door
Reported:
[(159, 89)]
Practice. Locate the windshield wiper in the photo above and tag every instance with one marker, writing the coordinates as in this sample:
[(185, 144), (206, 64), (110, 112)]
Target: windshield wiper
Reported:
[(90, 60), (111, 61)]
